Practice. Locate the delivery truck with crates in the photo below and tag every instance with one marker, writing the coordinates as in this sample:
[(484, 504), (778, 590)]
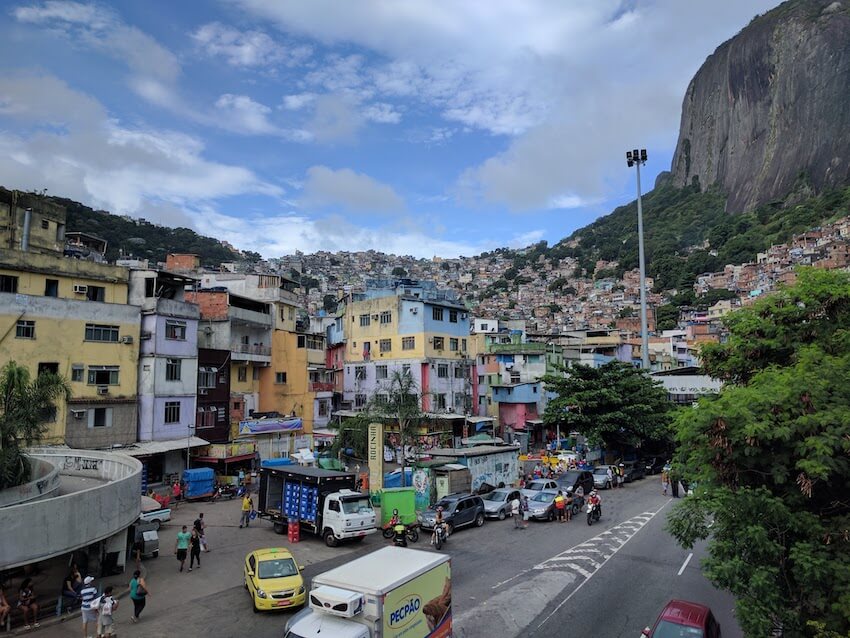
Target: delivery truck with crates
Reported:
[(389, 593), (319, 501)]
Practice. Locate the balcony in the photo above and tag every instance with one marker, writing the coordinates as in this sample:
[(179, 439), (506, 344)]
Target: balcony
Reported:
[(321, 386), (249, 317), (248, 352)]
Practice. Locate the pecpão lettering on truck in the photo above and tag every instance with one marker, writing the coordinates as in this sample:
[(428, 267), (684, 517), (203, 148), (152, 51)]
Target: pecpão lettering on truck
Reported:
[(405, 613)]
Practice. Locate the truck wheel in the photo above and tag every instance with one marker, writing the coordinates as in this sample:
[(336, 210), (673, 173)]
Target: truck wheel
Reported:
[(279, 528), (330, 539), (479, 520), (156, 524), (502, 515)]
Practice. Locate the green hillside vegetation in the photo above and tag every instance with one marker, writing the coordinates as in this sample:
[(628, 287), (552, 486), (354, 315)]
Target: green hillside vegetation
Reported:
[(143, 239), (684, 226)]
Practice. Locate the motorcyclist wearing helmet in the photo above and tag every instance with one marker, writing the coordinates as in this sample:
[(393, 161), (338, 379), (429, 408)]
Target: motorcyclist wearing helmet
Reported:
[(594, 499), (395, 519)]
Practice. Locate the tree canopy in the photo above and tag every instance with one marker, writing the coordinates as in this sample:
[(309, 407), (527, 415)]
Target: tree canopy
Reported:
[(616, 404), (771, 458)]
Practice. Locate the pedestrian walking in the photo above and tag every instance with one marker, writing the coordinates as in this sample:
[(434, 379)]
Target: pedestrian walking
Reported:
[(106, 607), (201, 525), (609, 475), (524, 508), (88, 594), (560, 506), (181, 546), (516, 512), (138, 594), (247, 508), (665, 481), (195, 549), (176, 492), (241, 477)]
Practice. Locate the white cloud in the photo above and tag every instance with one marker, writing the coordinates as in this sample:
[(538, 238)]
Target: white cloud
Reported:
[(245, 114), (382, 113), (298, 101), (246, 48), (352, 191), (68, 144), (335, 119)]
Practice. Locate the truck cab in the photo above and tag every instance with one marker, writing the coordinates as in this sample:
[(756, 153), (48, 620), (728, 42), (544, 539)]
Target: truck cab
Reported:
[(347, 514)]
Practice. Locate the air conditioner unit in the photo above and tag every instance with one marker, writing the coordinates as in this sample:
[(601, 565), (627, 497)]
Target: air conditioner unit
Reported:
[(78, 414), (450, 410), (202, 391), (375, 316), (430, 339), (127, 339), (80, 289), (103, 389), (414, 310)]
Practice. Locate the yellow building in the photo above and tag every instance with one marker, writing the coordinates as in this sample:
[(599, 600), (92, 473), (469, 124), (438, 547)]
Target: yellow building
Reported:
[(71, 317)]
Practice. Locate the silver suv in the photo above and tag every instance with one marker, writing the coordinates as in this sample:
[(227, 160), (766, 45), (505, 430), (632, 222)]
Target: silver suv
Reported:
[(458, 510)]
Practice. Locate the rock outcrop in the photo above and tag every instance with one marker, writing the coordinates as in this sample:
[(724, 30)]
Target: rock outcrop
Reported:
[(771, 106)]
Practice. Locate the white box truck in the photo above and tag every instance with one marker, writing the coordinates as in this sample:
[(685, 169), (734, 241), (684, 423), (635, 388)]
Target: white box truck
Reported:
[(389, 593)]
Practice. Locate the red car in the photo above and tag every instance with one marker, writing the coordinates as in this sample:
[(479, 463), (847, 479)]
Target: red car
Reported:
[(681, 619)]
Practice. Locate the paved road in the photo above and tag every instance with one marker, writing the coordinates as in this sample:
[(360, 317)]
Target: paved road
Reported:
[(610, 579)]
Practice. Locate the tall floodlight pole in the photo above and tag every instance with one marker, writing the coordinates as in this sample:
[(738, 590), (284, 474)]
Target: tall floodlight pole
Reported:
[(636, 158)]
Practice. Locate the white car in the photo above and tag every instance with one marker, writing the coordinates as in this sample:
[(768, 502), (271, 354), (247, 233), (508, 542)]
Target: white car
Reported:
[(157, 517)]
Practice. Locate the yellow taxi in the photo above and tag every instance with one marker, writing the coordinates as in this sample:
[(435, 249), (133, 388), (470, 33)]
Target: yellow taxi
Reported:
[(273, 579)]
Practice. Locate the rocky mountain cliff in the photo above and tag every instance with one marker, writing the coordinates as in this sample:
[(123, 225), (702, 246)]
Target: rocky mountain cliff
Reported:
[(769, 111)]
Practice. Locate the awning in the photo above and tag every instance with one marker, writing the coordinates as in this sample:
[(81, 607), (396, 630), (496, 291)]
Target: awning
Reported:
[(323, 433), (269, 426), (534, 422), (226, 459), (149, 448)]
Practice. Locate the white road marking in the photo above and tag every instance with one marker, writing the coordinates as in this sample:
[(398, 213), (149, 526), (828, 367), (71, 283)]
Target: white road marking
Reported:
[(580, 570), (685, 564)]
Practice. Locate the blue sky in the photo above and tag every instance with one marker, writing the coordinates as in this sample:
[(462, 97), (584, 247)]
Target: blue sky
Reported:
[(423, 128)]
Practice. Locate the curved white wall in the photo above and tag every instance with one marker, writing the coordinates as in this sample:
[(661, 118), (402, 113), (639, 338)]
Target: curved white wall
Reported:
[(50, 527), (45, 484)]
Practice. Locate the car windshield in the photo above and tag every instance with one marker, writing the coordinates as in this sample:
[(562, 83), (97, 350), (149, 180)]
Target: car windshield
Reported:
[(277, 568), (446, 505), (544, 497), (667, 629), (495, 496), (535, 486), (356, 506)]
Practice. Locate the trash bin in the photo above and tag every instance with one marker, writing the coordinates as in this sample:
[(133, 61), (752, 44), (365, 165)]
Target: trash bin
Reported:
[(294, 531), (150, 543)]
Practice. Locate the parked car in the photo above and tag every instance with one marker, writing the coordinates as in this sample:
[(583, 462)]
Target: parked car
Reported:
[(541, 506), (600, 478), (273, 579), (157, 517), (497, 504), (458, 510), (538, 485), (572, 479), (681, 618), (634, 471), (653, 465)]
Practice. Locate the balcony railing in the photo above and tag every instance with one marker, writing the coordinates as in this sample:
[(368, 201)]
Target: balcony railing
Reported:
[(246, 348), (321, 386)]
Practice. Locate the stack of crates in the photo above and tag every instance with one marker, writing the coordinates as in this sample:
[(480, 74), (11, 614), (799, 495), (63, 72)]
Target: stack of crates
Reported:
[(309, 501), (294, 532), (292, 500)]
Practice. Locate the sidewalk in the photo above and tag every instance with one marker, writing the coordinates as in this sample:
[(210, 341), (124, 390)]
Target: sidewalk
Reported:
[(222, 567)]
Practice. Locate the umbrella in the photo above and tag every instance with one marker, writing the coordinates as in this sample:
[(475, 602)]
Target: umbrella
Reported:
[(150, 504)]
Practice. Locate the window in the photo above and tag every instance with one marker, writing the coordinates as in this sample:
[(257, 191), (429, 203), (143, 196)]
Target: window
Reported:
[(381, 372), (463, 345), (172, 369), (437, 314), (77, 370), (172, 411), (103, 375), (382, 399), (175, 330), (100, 418), (438, 343), (333, 506), (45, 224), (453, 344), (221, 414), (302, 341), (386, 345), (440, 401), (60, 232), (99, 332), (484, 327), (51, 287), (292, 313), (96, 293), (460, 372), (206, 378), (280, 377), (365, 320), (405, 369), (453, 316), (443, 371), (514, 377), (315, 342), (408, 343), (480, 379), (47, 414), (359, 400), (245, 340), (25, 329), (360, 373), (323, 408), (205, 417), (48, 368), (255, 374), (150, 287), (386, 317), (242, 373), (8, 283)]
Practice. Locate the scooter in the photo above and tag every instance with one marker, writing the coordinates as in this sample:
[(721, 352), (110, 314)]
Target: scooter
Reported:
[(594, 512), (440, 536)]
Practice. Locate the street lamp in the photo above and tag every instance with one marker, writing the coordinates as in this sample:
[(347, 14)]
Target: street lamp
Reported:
[(636, 158), (190, 427)]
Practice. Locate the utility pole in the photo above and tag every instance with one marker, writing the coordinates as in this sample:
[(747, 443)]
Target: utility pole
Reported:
[(636, 158)]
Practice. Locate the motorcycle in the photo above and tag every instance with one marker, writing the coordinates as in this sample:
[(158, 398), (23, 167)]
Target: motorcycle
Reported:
[(594, 512), (410, 533), (440, 536)]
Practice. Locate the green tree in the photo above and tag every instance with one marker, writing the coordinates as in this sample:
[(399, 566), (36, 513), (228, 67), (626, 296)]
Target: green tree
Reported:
[(398, 271), (615, 405), (666, 317), (329, 303), (23, 404), (771, 458)]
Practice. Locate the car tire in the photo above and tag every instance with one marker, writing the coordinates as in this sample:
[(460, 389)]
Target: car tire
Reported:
[(608, 485), (551, 516), (330, 539), (502, 515), (156, 524), (479, 520), (279, 528)]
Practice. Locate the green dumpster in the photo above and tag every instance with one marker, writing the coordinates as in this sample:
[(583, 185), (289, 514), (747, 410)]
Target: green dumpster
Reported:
[(402, 499)]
